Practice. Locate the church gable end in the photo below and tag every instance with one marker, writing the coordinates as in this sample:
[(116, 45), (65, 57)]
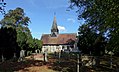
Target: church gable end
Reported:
[(55, 41)]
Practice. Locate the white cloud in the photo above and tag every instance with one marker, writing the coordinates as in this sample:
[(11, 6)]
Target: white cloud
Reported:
[(61, 28), (71, 20)]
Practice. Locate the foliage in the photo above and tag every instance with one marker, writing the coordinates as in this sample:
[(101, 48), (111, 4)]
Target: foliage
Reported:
[(7, 41), (21, 38), (102, 15), (15, 32), (2, 5), (89, 41), (37, 44), (15, 18)]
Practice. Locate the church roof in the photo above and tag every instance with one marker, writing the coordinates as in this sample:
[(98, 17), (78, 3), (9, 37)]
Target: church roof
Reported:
[(60, 39)]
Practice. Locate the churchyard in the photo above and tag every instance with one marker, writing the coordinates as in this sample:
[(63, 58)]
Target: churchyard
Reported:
[(60, 62)]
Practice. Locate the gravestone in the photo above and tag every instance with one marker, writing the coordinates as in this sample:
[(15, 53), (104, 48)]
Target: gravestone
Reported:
[(39, 51), (45, 57), (28, 53), (3, 59), (38, 57), (111, 53), (55, 54), (77, 62), (14, 55), (59, 56), (36, 51), (22, 55)]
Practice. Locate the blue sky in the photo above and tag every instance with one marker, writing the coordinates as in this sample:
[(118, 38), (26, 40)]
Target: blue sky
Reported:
[(41, 14)]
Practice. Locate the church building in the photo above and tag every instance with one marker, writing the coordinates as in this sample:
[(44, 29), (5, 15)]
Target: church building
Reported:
[(55, 41)]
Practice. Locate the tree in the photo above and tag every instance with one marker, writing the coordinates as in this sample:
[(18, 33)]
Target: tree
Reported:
[(8, 42), (2, 5), (89, 41), (17, 20), (102, 15), (21, 38), (86, 39), (37, 44)]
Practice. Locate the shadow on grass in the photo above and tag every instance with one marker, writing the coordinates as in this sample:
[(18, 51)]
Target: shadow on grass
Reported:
[(70, 64), (10, 66), (103, 68), (65, 64)]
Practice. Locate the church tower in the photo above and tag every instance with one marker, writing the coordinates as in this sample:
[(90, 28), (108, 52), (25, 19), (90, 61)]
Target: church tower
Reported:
[(54, 29)]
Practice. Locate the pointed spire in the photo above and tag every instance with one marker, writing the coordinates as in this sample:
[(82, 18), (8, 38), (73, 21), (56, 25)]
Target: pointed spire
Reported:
[(54, 29), (54, 26)]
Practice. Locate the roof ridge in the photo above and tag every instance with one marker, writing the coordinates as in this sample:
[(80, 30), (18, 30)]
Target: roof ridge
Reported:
[(45, 34)]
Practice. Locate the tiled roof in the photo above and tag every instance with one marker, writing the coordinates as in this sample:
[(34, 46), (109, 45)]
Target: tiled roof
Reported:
[(60, 39)]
